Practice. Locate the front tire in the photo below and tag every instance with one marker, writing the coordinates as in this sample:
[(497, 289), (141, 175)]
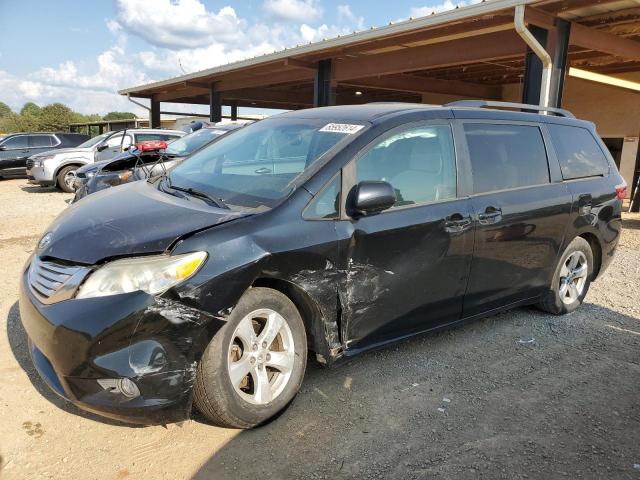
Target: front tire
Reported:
[(571, 279), (254, 365), (65, 178)]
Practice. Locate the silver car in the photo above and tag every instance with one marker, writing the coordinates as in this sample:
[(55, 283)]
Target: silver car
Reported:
[(57, 167)]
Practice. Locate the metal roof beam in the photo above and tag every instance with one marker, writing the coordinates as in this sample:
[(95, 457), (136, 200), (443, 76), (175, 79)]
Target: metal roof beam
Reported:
[(408, 83), (265, 80), (604, 42), (492, 46)]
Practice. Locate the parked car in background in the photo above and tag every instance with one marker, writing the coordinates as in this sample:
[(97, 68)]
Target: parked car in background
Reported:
[(16, 148), (57, 168), (331, 230), (138, 163)]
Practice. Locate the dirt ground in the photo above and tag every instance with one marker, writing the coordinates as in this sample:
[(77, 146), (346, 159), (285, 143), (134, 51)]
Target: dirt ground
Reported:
[(518, 395)]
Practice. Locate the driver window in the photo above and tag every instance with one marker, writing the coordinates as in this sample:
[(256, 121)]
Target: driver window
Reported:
[(114, 141), (418, 162), (15, 142)]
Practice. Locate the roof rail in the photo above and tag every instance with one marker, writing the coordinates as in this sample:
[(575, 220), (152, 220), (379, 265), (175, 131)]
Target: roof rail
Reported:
[(523, 106)]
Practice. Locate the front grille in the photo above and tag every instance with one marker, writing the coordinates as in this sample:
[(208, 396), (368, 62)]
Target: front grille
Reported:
[(81, 175), (53, 282), (29, 164)]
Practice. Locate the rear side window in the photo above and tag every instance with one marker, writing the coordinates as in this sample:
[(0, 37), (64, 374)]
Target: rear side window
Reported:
[(40, 141), (578, 152), (165, 137), (506, 156)]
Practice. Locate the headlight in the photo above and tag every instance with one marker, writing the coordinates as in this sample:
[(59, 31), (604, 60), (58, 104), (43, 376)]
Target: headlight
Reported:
[(39, 162), (91, 174), (153, 275)]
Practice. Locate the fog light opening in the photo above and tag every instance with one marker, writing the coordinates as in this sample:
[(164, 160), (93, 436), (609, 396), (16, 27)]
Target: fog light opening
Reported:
[(123, 386), (127, 388)]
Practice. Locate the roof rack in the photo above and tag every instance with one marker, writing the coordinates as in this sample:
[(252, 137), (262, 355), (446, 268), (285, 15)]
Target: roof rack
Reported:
[(523, 106)]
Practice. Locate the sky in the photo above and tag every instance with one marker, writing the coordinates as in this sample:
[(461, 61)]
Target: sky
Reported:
[(81, 52)]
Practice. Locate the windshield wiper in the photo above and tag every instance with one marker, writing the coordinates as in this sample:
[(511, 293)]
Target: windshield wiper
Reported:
[(218, 202)]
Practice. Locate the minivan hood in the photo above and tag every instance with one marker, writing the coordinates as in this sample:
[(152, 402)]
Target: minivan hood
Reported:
[(132, 219)]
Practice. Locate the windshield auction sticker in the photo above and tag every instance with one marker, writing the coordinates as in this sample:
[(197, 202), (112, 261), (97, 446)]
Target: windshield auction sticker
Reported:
[(342, 128)]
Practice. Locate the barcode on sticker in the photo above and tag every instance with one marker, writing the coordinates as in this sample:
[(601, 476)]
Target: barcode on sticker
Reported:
[(342, 128)]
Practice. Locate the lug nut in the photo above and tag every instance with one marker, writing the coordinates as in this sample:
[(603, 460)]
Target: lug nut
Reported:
[(264, 344), (252, 360), (255, 346), (268, 357)]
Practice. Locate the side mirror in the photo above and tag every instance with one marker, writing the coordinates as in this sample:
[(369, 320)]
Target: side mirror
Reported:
[(102, 147), (370, 197)]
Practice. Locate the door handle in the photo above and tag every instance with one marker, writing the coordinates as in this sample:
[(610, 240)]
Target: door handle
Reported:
[(490, 215), (456, 223), (263, 170)]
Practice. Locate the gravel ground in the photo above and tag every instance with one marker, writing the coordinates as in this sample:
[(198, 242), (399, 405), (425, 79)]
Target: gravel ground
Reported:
[(517, 395)]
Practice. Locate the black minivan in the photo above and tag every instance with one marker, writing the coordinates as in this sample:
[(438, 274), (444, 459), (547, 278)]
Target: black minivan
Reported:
[(331, 230)]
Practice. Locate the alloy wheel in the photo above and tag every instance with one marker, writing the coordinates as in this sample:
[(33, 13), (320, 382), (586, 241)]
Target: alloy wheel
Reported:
[(573, 277), (261, 356), (69, 179)]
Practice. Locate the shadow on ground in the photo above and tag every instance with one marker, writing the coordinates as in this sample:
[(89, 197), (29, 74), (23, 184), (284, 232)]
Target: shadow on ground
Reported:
[(18, 343), (631, 223), (38, 189), (519, 395)]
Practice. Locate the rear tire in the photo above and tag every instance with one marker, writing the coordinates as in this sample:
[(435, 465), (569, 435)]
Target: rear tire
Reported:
[(571, 279), (63, 177), (254, 365)]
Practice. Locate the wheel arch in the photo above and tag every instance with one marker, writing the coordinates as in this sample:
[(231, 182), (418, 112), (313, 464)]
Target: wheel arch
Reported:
[(69, 163), (596, 249), (309, 309)]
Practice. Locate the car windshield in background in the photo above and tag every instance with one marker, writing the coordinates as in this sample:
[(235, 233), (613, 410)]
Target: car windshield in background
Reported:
[(94, 141), (256, 166), (190, 143)]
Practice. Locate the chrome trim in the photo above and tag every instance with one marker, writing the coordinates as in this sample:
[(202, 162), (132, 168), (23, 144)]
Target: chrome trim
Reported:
[(53, 282)]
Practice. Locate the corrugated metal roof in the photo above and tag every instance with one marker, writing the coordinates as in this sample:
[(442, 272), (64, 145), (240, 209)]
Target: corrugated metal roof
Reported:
[(457, 14)]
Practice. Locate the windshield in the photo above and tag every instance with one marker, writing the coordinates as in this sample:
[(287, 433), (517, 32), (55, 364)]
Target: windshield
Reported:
[(94, 141), (190, 143), (256, 166)]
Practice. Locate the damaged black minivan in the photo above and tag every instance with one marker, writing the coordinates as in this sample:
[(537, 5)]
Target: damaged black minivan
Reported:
[(330, 230)]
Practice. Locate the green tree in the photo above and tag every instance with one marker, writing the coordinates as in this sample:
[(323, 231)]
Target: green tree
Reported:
[(30, 108), (5, 110), (55, 117), (119, 116)]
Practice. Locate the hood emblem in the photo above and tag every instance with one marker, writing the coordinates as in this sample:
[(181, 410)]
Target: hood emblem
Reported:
[(45, 241)]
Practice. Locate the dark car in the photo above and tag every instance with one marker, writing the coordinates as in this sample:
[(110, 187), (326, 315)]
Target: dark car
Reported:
[(16, 148), (331, 230), (136, 165)]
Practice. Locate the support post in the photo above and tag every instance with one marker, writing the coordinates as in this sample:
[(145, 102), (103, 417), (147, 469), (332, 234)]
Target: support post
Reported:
[(559, 71), (154, 115), (215, 104), (533, 69), (324, 91), (234, 111)]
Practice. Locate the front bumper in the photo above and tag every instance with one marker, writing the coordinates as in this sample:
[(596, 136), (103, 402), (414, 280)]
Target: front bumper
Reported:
[(40, 176), (156, 342)]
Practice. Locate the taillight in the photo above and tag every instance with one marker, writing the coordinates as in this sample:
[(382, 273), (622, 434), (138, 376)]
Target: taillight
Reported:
[(621, 191)]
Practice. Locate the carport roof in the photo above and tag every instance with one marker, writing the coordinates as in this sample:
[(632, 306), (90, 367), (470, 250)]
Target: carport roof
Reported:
[(469, 51)]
